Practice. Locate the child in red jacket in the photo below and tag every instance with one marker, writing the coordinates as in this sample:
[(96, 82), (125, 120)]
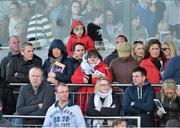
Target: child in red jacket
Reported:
[(78, 34)]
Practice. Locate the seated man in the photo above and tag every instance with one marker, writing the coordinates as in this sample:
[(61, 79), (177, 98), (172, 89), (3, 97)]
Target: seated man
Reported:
[(34, 99), (64, 113), (138, 98)]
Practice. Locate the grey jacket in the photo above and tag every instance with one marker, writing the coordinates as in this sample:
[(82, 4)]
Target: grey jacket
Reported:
[(28, 100)]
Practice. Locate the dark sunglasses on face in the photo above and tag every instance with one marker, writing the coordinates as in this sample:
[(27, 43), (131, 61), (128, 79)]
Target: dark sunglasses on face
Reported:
[(164, 49)]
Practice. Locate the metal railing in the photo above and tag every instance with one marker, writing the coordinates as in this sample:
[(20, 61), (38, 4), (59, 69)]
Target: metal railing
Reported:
[(138, 118), (89, 85), (18, 85)]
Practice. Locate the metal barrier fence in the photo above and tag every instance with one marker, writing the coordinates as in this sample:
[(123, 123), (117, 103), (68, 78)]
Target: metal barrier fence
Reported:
[(18, 85), (88, 85), (138, 118)]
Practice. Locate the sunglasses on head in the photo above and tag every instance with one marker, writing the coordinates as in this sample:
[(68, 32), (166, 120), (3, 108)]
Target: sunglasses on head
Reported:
[(138, 42)]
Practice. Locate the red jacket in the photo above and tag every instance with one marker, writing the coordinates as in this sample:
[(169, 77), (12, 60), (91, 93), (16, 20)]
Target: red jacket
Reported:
[(77, 78), (85, 39), (153, 75)]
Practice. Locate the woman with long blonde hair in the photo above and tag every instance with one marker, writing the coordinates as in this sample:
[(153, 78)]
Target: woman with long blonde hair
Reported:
[(169, 50), (170, 101), (138, 50)]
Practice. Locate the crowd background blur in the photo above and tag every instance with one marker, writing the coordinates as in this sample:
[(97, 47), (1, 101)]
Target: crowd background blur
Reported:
[(137, 32), (119, 17)]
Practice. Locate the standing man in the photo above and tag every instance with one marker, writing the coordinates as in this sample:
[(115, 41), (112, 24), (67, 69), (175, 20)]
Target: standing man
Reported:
[(18, 69), (138, 98), (14, 50), (64, 113), (34, 99), (122, 66)]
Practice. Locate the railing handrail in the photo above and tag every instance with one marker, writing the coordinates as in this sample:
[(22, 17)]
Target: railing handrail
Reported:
[(89, 85), (138, 118)]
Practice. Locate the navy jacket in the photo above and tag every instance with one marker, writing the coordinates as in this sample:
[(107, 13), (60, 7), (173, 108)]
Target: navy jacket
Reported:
[(172, 70), (65, 76), (143, 103)]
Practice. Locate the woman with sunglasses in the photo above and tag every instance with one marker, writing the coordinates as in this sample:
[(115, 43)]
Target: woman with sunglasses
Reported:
[(91, 68), (169, 50)]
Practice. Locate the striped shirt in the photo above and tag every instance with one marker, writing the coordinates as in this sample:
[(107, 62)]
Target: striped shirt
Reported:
[(40, 28)]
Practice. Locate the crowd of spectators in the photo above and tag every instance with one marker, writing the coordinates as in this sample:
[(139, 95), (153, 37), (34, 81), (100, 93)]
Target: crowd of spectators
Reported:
[(48, 20), (74, 35)]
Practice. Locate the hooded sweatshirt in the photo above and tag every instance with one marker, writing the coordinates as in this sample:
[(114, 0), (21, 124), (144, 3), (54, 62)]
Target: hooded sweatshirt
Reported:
[(85, 39), (69, 116), (68, 70), (143, 106)]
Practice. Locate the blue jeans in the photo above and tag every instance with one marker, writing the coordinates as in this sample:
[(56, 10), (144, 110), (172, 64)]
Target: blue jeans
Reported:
[(17, 121)]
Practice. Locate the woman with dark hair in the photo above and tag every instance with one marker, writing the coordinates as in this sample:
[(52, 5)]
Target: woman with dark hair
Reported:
[(152, 62), (57, 56), (92, 67)]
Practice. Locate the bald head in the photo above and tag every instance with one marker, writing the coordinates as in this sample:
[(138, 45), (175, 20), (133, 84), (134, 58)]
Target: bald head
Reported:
[(35, 76)]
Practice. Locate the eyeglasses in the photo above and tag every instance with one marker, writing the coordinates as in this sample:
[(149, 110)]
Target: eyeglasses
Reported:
[(103, 84), (164, 49), (63, 92)]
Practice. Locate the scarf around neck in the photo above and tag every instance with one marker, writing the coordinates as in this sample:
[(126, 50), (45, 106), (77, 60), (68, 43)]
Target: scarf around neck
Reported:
[(53, 60), (86, 67), (107, 99)]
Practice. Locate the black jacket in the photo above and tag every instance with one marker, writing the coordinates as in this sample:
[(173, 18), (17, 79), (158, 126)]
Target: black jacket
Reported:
[(172, 109), (21, 67), (4, 62), (94, 31), (110, 57), (8, 99), (114, 110)]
